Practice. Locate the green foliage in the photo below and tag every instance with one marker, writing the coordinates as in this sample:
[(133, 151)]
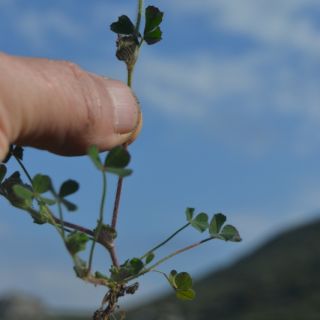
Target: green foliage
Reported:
[(68, 187), (76, 242), (152, 32), (41, 183), (216, 223), (123, 26), (150, 257), (182, 284), (93, 154), (200, 222), (189, 214), (230, 233)]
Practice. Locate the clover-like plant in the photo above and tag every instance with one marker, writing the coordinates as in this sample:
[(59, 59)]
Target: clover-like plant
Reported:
[(38, 196)]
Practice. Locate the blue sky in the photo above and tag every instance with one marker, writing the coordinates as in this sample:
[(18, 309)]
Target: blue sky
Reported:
[(230, 99)]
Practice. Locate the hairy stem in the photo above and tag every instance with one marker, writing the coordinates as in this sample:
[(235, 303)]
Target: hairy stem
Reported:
[(100, 221), (165, 241)]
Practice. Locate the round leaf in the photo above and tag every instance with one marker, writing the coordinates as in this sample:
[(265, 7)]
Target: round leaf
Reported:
[(216, 223), (22, 192), (93, 154), (123, 26), (149, 257), (230, 233), (41, 183), (200, 222), (68, 187), (185, 294), (118, 157), (183, 281), (189, 214)]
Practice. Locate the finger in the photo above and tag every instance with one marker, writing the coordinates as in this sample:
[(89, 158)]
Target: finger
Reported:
[(55, 105)]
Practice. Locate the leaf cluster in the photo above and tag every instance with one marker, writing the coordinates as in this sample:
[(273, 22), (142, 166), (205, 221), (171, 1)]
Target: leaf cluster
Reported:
[(216, 226)]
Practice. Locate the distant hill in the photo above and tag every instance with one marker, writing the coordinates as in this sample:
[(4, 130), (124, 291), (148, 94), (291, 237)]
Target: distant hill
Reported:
[(279, 281)]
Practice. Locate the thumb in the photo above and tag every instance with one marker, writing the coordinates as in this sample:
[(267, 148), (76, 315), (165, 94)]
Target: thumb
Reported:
[(55, 105)]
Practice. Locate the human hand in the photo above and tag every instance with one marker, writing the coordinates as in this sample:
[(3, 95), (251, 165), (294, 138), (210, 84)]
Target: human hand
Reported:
[(56, 106)]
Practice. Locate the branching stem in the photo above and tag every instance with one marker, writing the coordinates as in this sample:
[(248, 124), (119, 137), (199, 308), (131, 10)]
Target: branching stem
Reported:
[(165, 241)]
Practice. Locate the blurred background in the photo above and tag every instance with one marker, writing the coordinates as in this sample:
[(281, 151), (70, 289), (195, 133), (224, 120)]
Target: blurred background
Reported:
[(230, 100)]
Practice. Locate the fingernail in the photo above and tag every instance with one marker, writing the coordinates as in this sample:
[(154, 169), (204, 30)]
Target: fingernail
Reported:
[(126, 108)]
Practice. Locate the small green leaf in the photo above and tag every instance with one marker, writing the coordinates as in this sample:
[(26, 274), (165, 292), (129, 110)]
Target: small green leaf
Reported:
[(68, 187), (136, 265), (152, 33), (22, 192), (171, 278), (123, 26), (188, 294), (189, 214), (76, 242), (153, 37), (93, 154), (183, 281), (69, 205), (3, 172), (216, 223), (118, 157), (149, 257), (41, 183), (230, 233), (200, 222), (120, 172)]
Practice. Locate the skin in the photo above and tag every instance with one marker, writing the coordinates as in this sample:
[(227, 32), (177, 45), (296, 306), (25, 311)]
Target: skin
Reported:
[(57, 106)]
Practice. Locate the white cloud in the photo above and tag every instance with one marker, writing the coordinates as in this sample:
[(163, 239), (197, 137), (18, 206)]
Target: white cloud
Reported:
[(37, 26), (280, 23)]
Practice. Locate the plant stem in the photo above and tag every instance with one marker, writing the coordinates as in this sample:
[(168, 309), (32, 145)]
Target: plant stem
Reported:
[(61, 219), (139, 14), (192, 246), (100, 221), (165, 241), (23, 168)]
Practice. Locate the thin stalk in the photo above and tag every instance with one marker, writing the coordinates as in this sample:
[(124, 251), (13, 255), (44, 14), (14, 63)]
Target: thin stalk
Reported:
[(23, 168), (139, 14), (165, 241), (61, 219), (100, 221), (192, 246)]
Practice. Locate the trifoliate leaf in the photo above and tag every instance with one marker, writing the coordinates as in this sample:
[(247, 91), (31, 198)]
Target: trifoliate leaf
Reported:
[(230, 233), (118, 157), (189, 214), (76, 242), (93, 154), (3, 172), (68, 187), (188, 294), (123, 26), (200, 222), (216, 223), (149, 257), (41, 183), (183, 281)]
